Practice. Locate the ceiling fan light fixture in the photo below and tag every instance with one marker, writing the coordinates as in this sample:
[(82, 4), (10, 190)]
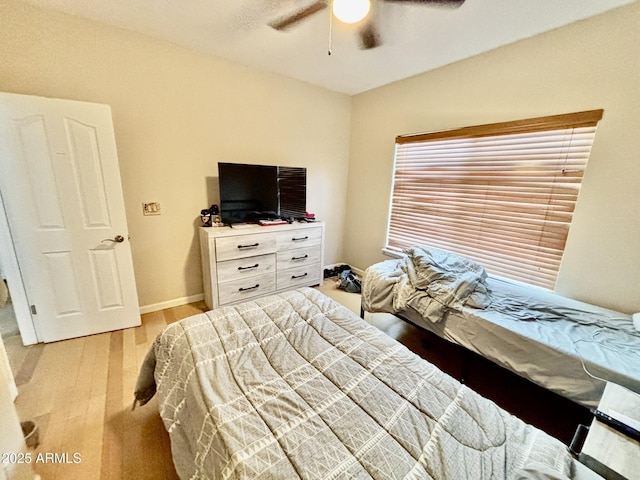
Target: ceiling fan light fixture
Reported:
[(351, 11)]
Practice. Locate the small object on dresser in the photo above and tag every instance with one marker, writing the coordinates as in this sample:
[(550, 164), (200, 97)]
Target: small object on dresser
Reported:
[(275, 221), (205, 216), (309, 217), (211, 216)]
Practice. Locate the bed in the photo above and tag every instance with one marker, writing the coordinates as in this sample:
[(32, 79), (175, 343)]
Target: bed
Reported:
[(296, 385), (563, 345)]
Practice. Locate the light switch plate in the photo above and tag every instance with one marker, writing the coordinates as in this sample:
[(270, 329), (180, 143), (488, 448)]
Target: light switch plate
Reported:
[(151, 208)]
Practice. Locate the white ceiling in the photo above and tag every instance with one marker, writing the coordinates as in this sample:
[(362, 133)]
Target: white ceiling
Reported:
[(416, 38)]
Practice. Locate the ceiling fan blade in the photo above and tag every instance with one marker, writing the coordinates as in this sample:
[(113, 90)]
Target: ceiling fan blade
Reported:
[(369, 36), (286, 22), (435, 3)]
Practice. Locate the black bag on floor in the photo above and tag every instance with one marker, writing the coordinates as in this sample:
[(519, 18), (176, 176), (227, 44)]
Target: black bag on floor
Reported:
[(349, 282)]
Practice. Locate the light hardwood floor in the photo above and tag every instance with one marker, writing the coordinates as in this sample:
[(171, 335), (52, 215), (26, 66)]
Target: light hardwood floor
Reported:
[(80, 394)]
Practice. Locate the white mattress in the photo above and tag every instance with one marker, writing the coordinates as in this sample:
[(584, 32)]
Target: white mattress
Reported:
[(519, 332)]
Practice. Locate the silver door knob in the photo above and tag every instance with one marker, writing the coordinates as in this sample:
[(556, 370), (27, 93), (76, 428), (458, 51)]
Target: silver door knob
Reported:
[(116, 239)]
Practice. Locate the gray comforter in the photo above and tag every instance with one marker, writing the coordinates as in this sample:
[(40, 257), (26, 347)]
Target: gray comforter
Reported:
[(297, 386), (561, 344), (430, 281)]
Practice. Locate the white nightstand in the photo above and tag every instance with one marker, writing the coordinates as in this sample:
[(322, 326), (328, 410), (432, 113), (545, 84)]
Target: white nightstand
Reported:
[(606, 451)]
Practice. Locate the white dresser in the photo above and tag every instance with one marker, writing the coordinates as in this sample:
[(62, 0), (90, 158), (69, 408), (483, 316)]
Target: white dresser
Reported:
[(249, 261)]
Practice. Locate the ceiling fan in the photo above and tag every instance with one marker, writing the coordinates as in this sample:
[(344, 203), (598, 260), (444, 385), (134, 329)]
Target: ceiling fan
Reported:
[(353, 11)]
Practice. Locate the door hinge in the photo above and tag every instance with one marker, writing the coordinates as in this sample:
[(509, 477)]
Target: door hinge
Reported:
[(33, 310)]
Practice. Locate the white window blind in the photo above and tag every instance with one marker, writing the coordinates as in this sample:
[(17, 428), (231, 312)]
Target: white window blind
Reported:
[(501, 194)]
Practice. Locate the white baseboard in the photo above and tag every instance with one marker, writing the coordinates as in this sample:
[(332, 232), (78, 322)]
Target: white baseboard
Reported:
[(176, 302), (358, 271)]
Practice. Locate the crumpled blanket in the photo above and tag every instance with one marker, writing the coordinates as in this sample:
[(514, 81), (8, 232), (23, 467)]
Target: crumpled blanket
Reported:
[(434, 281)]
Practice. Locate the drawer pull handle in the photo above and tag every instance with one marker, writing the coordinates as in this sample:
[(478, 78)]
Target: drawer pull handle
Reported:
[(249, 288), (295, 277), (249, 268), (299, 258), (294, 239), (253, 245)]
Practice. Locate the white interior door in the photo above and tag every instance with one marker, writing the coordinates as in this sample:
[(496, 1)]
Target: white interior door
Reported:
[(11, 272), (62, 192)]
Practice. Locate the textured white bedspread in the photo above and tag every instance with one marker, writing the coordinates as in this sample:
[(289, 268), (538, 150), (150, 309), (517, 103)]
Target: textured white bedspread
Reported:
[(297, 386)]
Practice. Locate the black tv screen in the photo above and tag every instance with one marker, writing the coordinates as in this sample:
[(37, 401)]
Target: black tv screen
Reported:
[(249, 193)]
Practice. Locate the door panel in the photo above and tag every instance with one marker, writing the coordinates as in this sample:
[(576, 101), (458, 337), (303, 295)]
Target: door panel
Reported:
[(36, 152), (64, 203), (87, 165), (63, 278), (106, 279)]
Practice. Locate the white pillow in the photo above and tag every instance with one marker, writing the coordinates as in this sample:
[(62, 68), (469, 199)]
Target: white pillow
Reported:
[(636, 321)]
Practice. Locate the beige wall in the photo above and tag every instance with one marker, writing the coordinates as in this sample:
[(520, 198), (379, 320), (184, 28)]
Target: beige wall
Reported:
[(589, 65), (176, 114)]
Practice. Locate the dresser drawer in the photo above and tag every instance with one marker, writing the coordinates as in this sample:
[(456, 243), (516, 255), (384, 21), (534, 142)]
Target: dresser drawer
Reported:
[(242, 246), (246, 288), (246, 267), (250, 261), (299, 276), (298, 257), (302, 237)]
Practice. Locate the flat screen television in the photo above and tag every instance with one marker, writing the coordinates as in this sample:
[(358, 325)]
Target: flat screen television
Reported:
[(250, 193)]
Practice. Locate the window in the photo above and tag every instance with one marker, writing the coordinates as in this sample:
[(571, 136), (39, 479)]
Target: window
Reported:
[(501, 194)]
